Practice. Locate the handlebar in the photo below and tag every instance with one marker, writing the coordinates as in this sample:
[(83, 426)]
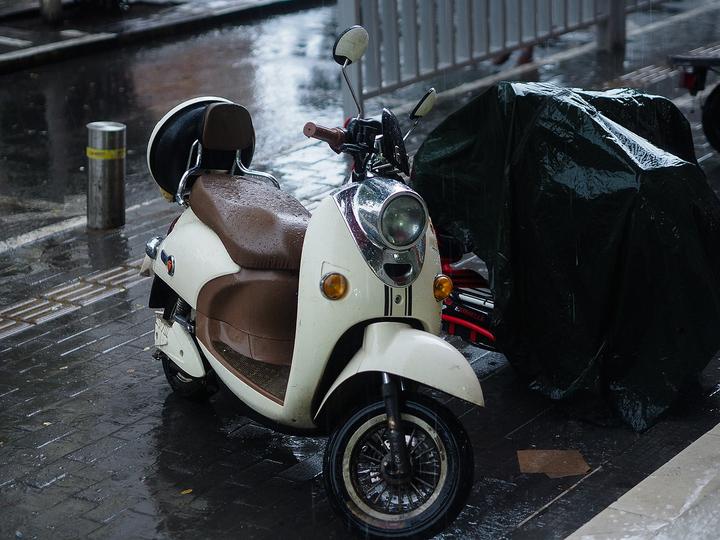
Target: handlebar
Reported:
[(335, 137)]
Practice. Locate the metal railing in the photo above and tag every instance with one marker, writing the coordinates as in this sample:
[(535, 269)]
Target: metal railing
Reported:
[(413, 40)]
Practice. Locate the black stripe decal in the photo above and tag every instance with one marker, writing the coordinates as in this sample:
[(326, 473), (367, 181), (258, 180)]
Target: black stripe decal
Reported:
[(387, 301), (409, 301)]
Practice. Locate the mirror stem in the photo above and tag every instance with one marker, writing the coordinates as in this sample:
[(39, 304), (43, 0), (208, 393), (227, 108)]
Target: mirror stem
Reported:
[(352, 92), (411, 129)]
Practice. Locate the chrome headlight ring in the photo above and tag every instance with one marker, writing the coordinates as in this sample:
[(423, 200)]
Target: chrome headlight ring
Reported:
[(362, 206), (374, 198)]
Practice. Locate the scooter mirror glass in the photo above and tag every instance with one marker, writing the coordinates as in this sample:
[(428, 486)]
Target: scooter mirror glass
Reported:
[(425, 105), (350, 45)]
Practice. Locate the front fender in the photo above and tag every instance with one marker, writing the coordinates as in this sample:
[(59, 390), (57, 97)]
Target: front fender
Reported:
[(422, 357)]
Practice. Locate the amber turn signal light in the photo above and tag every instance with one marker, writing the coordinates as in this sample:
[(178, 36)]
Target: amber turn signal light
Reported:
[(334, 286), (442, 287)]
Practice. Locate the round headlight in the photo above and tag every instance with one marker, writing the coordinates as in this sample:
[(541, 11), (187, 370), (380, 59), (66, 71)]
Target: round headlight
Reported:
[(403, 221)]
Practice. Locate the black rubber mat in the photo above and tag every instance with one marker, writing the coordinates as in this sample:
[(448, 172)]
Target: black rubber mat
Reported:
[(270, 377)]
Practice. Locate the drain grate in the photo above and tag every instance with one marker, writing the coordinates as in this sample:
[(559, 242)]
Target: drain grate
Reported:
[(68, 297)]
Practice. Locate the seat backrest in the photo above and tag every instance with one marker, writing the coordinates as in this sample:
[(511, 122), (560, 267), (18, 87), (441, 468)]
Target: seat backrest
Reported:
[(227, 127)]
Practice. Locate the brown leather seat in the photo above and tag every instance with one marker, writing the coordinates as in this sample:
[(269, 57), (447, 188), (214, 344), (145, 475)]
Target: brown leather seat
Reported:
[(261, 227)]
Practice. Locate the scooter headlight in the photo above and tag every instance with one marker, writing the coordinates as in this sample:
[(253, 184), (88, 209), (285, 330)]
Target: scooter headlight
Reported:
[(402, 221)]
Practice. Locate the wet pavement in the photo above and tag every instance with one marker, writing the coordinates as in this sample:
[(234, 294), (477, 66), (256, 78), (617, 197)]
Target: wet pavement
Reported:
[(279, 68), (93, 443)]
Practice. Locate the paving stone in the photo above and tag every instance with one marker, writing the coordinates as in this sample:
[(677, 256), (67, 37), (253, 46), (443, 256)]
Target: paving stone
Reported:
[(305, 470), (98, 449), (137, 429), (58, 473), (10, 473), (128, 524)]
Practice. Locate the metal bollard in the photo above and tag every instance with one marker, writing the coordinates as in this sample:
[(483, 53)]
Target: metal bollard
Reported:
[(106, 175), (612, 32), (50, 10)]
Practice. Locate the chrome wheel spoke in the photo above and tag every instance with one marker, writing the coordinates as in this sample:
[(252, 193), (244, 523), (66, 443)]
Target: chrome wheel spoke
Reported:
[(375, 449), (377, 488), (416, 490), (423, 453), (428, 484)]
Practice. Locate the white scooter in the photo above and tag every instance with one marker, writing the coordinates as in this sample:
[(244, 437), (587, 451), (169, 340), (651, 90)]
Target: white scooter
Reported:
[(320, 324)]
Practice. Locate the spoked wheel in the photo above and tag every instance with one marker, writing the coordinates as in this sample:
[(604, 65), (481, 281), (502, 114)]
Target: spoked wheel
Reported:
[(378, 504), (711, 118), (193, 388)]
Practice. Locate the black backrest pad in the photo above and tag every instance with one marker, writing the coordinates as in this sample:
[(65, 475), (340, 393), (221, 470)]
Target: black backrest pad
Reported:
[(227, 127)]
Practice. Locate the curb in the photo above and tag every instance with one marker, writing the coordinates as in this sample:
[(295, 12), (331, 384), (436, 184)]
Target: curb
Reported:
[(51, 52)]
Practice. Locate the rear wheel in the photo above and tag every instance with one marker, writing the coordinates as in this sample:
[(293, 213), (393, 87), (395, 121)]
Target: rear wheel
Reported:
[(192, 388), (377, 504), (711, 118)]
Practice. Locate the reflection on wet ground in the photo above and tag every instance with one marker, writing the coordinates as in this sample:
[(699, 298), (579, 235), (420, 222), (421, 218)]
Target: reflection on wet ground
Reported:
[(279, 68)]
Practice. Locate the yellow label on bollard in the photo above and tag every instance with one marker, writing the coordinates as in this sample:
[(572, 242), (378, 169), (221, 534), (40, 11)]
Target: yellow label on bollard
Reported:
[(105, 154)]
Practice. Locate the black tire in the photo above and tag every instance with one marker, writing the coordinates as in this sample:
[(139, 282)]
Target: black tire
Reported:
[(186, 386), (427, 425), (711, 118)]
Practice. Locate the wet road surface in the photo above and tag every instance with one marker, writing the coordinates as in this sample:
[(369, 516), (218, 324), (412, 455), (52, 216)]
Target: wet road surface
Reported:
[(279, 68)]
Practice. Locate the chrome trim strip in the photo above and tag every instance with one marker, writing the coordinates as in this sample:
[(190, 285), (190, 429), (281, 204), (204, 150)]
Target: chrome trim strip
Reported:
[(376, 253), (372, 198), (251, 172), (476, 301), (180, 194)]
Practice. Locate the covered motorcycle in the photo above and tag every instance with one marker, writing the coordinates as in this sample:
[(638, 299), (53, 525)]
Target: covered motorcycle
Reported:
[(600, 234)]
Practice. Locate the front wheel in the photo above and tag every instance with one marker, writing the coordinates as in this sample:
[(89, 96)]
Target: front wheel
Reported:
[(376, 503)]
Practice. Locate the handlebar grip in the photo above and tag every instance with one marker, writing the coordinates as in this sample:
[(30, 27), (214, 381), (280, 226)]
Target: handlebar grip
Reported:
[(335, 137)]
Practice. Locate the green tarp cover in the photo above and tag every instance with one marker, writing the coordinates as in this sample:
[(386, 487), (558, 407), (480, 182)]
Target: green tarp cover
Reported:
[(600, 232)]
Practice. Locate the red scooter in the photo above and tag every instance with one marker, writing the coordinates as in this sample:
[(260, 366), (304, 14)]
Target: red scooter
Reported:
[(467, 312)]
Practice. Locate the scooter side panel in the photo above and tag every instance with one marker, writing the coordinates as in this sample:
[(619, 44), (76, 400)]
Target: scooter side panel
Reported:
[(415, 355), (198, 256)]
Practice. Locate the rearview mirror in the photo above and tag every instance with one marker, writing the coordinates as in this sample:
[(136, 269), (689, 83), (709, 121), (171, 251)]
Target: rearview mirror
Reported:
[(350, 45), (425, 105)]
